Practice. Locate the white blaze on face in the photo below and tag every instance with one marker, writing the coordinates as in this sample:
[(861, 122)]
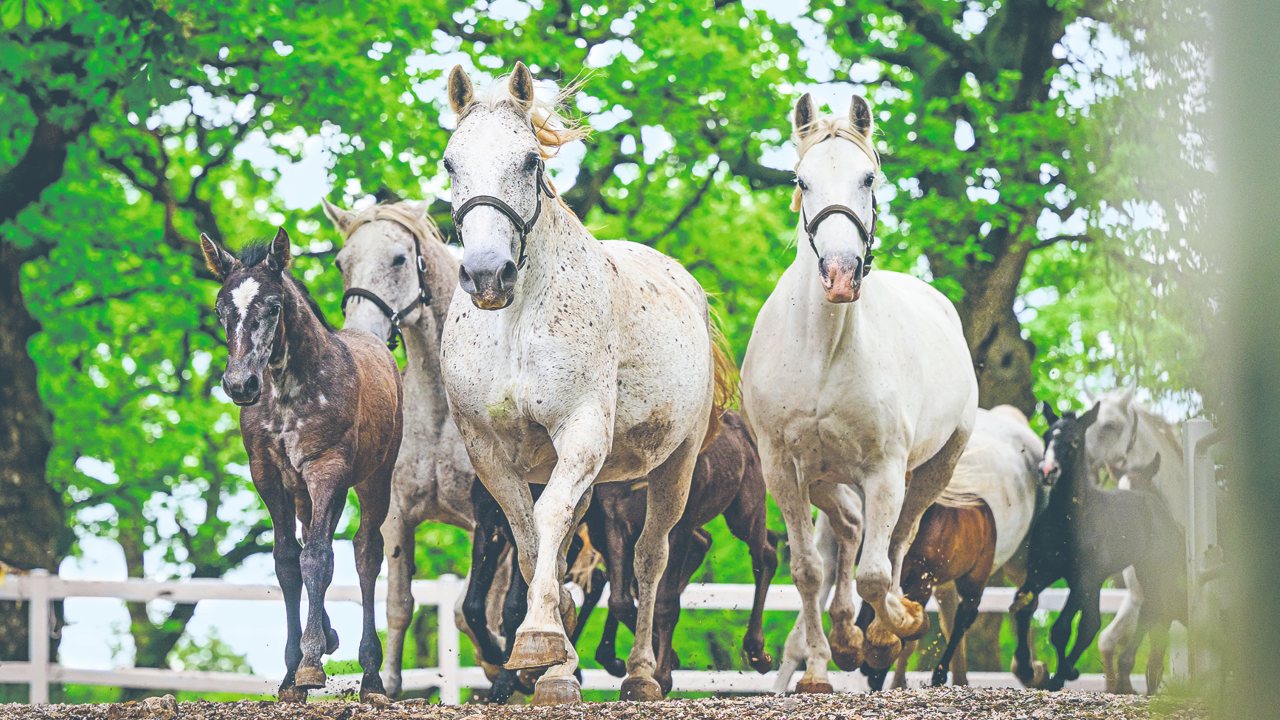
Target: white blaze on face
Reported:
[(1049, 462), (244, 294)]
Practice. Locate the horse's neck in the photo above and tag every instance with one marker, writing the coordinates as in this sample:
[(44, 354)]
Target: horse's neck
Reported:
[(426, 406), (554, 241), (1171, 479), (306, 341), (820, 325)]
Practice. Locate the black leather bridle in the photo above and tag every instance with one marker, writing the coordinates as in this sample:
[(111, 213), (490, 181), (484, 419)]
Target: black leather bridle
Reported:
[(524, 227), (396, 316), (868, 236)]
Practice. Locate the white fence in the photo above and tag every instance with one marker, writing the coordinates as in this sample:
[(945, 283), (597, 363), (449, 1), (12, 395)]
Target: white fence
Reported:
[(41, 589)]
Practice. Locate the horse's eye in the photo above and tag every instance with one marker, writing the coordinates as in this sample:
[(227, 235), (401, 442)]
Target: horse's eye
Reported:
[(869, 179), (273, 310), (531, 162), (448, 166), (801, 184), (338, 264), (398, 261)]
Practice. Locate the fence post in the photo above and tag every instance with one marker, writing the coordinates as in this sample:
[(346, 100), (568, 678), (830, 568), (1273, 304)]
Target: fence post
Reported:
[(1201, 521), (38, 636), (447, 640)]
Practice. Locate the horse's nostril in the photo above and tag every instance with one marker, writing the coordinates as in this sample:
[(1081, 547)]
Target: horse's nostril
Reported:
[(507, 276), (251, 384), (464, 278)]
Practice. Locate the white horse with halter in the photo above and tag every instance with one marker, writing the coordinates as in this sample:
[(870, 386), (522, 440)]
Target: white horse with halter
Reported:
[(853, 381), (568, 362)]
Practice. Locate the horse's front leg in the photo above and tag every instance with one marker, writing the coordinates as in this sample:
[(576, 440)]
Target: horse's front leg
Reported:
[(1090, 621), (843, 509), (581, 443), (326, 482), (877, 575), (285, 551), (668, 494), (795, 649), (792, 496), (374, 495), (906, 617)]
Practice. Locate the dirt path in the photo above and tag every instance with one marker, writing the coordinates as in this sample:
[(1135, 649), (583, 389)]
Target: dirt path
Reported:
[(921, 704)]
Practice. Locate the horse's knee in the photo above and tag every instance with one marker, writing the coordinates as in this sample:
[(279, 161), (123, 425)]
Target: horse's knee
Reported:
[(874, 580)]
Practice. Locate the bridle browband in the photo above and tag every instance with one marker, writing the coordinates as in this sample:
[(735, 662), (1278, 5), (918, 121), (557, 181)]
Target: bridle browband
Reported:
[(868, 236), (395, 316), (524, 227)]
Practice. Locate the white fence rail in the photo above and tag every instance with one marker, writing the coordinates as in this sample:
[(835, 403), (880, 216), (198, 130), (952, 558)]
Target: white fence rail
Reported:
[(41, 589)]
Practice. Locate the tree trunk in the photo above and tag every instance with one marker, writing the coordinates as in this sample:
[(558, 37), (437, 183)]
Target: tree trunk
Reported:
[(32, 517), (1001, 355)]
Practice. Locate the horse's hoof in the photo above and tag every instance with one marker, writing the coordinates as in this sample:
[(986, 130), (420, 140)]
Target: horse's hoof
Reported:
[(814, 687), (537, 649), (373, 697), (560, 690), (1039, 675), (939, 677), (392, 685), (641, 689), (761, 663), (1125, 687), (292, 695), (331, 640), (847, 649), (880, 646), (1071, 673), (917, 625), (309, 678)]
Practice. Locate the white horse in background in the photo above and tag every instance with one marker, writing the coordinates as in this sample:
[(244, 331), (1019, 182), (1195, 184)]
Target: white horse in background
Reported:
[(567, 362), (878, 392), (398, 278), (1126, 436), (999, 469)]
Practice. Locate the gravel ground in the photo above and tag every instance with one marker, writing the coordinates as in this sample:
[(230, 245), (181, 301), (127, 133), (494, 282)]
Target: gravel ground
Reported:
[(948, 703)]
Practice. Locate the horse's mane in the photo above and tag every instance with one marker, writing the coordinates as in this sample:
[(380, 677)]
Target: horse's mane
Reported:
[(404, 213), (256, 251), (828, 127), (551, 125)]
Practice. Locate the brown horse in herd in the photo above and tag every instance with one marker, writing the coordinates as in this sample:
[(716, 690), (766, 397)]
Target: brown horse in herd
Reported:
[(321, 414)]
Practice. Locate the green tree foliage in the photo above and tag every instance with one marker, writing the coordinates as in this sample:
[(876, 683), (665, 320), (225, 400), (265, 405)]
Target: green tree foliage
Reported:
[(135, 126)]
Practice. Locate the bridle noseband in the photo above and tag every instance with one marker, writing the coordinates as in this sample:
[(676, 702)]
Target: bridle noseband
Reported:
[(868, 236), (396, 316), (524, 227)]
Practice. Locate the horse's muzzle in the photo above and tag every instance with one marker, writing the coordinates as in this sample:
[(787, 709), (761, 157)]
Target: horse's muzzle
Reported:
[(489, 288), (841, 277), (242, 386)]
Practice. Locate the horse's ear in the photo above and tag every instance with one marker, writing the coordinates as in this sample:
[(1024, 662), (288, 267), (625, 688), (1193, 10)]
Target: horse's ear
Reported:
[(804, 116), (860, 116), (1050, 415), (421, 208), (461, 91), (521, 87), (280, 255), (1092, 415), (341, 218), (1126, 395), (219, 261)]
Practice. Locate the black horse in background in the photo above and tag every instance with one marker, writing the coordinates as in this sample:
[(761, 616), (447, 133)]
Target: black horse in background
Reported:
[(1085, 535)]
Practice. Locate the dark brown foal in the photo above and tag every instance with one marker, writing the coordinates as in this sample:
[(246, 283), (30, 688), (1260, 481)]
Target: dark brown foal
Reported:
[(726, 481), (321, 415)]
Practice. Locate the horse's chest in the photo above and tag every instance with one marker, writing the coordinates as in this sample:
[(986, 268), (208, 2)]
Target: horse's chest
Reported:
[(290, 447)]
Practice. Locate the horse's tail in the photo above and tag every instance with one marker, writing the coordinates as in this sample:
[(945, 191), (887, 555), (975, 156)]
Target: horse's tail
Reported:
[(725, 389)]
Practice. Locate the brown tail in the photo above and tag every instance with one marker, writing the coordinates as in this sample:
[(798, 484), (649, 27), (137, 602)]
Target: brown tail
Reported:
[(726, 381)]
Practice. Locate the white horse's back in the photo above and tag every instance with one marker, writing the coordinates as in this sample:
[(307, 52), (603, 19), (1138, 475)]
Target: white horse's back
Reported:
[(998, 467)]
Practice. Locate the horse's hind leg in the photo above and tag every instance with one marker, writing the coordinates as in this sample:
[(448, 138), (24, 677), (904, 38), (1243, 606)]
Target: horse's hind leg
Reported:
[(668, 493), (1030, 672), (1121, 638), (1155, 655), (285, 551), (948, 603), (687, 551), (843, 509), (745, 517), (374, 497), (487, 546)]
